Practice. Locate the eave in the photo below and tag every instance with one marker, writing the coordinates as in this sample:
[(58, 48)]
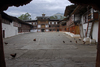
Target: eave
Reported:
[(79, 10), (69, 10)]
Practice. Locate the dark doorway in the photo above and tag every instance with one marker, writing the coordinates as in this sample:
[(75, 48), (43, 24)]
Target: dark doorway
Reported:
[(42, 30), (3, 33), (58, 30), (50, 30)]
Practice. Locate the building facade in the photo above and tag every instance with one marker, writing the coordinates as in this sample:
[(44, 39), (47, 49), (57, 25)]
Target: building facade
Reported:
[(44, 24), (83, 20), (12, 26)]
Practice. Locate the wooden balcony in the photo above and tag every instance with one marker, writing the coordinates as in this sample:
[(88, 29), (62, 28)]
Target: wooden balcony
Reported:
[(93, 16)]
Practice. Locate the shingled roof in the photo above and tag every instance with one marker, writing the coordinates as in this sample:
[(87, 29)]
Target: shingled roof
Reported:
[(5, 16), (69, 9), (12, 18), (80, 9), (94, 3)]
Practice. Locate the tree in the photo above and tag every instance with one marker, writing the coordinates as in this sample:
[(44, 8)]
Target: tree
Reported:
[(62, 17), (52, 17), (56, 17), (25, 16)]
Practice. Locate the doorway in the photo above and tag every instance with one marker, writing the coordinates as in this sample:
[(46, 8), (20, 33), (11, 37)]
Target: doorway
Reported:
[(3, 33), (57, 30), (42, 30)]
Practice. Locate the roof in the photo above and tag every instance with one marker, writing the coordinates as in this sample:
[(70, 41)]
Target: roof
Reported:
[(80, 9), (93, 3), (31, 21), (20, 21), (42, 17), (66, 19), (54, 20), (69, 9), (7, 17), (36, 20), (61, 21), (11, 18)]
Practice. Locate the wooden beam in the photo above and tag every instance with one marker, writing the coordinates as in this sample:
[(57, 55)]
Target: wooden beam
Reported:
[(2, 58)]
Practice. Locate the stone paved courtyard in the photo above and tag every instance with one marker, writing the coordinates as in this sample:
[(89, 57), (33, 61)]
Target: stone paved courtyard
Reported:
[(48, 51)]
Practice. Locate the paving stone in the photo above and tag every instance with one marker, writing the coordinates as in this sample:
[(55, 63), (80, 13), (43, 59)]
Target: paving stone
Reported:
[(39, 63), (19, 63), (24, 65), (57, 64), (43, 66), (69, 65), (48, 51), (89, 65), (36, 65), (41, 60)]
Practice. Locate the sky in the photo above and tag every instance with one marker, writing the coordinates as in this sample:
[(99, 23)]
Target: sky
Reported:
[(38, 7)]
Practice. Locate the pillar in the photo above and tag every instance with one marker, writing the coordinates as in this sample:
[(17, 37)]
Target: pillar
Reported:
[(2, 58), (98, 46)]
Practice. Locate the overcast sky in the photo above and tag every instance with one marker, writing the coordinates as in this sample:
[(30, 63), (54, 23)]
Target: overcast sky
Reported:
[(37, 7)]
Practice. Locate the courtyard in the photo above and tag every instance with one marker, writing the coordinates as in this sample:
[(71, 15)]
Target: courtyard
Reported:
[(51, 49)]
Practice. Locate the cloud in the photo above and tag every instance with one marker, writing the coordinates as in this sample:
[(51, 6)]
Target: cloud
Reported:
[(37, 7), (15, 13)]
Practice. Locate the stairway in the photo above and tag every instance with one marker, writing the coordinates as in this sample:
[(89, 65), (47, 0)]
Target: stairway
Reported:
[(89, 29)]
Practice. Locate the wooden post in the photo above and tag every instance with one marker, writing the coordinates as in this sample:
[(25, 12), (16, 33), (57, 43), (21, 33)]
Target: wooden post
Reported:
[(86, 30), (2, 58), (98, 46)]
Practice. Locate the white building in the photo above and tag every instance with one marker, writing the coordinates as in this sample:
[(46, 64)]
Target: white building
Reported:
[(89, 27), (9, 30), (12, 26)]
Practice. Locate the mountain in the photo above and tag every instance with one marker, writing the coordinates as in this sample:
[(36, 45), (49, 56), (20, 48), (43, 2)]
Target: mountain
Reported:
[(59, 16)]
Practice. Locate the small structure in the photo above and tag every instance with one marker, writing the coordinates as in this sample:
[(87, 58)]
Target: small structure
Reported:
[(13, 26)]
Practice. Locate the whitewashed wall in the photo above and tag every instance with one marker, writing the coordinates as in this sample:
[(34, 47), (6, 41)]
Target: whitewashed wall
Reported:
[(47, 30), (33, 30), (77, 17), (46, 26), (39, 30), (39, 26), (95, 31), (81, 31), (10, 30), (84, 28)]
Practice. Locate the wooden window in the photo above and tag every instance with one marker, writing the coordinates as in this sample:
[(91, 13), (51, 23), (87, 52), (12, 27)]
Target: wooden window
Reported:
[(56, 23), (43, 26), (49, 22), (52, 22)]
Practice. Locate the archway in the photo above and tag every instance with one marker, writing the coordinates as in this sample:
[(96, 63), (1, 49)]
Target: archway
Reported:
[(2, 62)]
